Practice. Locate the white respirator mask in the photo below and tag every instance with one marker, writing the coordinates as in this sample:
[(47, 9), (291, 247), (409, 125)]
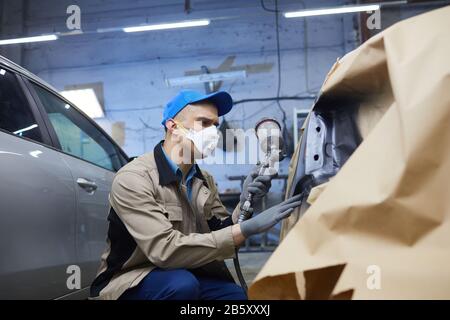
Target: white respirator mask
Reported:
[(205, 140)]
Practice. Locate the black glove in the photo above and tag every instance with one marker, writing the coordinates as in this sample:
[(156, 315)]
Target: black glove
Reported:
[(270, 217)]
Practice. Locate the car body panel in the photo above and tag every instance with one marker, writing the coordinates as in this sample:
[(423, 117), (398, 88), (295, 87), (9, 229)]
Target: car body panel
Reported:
[(37, 229), (92, 212), (48, 222)]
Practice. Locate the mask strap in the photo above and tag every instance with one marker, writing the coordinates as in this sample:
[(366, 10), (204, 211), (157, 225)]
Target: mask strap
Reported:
[(180, 126)]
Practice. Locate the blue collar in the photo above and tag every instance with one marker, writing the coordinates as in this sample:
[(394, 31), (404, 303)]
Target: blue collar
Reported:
[(176, 170), (167, 172)]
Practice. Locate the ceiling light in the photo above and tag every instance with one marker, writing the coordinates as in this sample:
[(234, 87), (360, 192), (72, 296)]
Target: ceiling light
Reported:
[(86, 100), (19, 132), (49, 37), (326, 11), (164, 26)]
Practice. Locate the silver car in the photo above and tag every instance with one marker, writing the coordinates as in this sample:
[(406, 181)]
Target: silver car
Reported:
[(56, 170)]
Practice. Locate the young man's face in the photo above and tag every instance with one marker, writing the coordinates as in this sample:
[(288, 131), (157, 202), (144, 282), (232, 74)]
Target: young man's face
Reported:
[(196, 116)]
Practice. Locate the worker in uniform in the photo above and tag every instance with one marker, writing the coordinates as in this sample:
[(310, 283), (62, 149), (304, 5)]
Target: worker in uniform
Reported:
[(169, 233)]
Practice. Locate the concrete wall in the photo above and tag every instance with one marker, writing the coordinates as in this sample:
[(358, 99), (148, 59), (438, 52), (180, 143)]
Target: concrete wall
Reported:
[(132, 67)]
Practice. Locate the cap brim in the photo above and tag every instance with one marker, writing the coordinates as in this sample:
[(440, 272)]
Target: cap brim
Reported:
[(221, 99)]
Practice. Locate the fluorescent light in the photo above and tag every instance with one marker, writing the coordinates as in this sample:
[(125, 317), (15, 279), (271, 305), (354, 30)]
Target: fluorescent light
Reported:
[(86, 100), (49, 37), (207, 77), (19, 132), (163, 26), (325, 11)]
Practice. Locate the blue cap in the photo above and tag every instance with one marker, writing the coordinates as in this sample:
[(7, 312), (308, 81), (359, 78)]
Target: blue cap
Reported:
[(221, 99)]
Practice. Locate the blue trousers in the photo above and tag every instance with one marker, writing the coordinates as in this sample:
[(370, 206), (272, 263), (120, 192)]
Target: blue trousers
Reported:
[(180, 284)]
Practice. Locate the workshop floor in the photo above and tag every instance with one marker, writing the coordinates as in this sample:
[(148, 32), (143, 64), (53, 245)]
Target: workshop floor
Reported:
[(251, 263)]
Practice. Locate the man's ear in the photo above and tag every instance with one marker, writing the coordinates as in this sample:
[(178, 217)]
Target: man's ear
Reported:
[(170, 125)]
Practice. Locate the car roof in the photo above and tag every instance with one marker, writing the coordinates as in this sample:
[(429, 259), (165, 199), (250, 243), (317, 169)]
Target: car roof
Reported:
[(18, 69)]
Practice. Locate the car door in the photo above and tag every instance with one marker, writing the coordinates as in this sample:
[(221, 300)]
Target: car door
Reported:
[(37, 201), (93, 160)]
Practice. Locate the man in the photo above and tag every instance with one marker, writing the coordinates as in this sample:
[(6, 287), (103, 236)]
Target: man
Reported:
[(168, 230)]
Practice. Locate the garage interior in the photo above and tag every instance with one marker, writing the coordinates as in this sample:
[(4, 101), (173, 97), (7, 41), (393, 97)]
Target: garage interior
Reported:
[(272, 64)]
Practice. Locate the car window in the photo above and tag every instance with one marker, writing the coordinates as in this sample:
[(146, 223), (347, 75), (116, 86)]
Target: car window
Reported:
[(76, 134), (15, 113)]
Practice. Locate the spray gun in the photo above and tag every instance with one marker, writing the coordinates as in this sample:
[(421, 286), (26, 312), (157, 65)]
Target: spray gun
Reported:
[(268, 132)]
